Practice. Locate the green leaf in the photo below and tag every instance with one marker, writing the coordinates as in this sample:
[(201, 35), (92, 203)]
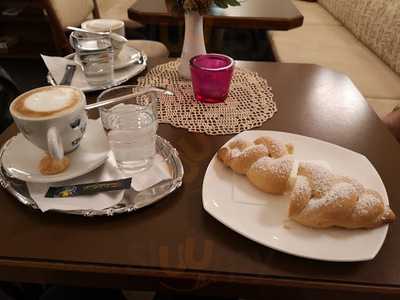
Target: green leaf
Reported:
[(221, 3), (233, 2)]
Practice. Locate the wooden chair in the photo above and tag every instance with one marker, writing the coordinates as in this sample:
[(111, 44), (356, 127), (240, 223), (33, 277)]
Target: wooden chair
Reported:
[(63, 13)]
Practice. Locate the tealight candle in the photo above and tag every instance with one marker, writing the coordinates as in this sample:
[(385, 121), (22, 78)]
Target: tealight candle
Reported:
[(211, 77)]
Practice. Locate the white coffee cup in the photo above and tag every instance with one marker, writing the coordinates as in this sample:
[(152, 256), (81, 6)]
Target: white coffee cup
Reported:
[(108, 25), (105, 25), (52, 117)]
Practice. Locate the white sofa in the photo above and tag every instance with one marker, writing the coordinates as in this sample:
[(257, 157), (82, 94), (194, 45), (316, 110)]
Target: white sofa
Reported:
[(360, 38)]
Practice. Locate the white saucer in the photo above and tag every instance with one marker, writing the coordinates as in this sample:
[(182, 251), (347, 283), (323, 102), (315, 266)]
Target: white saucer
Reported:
[(128, 56), (21, 158), (120, 76)]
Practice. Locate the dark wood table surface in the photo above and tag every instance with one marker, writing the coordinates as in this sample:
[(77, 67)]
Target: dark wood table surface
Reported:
[(258, 14), (175, 243)]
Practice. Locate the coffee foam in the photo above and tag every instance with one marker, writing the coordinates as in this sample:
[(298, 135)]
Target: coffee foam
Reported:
[(46, 102)]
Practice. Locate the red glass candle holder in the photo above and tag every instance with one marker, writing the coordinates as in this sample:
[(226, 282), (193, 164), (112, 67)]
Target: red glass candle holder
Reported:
[(211, 77)]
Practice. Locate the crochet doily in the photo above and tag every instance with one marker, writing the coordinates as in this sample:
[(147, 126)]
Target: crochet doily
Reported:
[(249, 104)]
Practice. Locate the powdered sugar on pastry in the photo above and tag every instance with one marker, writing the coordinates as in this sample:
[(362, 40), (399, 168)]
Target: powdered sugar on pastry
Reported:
[(358, 186), (276, 148), (240, 154), (300, 196), (346, 204), (271, 175), (265, 162), (254, 149), (369, 203), (321, 178), (239, 144), (235, 152), (339, 195), (240, 163), (302, 187), (280, 167)]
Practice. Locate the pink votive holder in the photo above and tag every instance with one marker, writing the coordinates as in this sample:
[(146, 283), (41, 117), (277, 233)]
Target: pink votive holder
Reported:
[(211, 77)]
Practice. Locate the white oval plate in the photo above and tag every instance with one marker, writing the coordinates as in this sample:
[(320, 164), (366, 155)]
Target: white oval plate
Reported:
[(262, 217), (21, 158)]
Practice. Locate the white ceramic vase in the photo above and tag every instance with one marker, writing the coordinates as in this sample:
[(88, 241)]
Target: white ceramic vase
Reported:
[(193, 43)]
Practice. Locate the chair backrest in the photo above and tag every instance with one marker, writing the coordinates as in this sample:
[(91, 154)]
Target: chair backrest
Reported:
[(8, 91), (63, 13), (72, 12)]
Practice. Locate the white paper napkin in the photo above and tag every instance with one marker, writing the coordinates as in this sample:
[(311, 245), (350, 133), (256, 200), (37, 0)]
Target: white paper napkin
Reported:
[(99, 201), (140, 181), (56, 66), (157, 172)]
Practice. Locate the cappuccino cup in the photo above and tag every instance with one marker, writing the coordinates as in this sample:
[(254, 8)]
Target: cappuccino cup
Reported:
[(52, 117)]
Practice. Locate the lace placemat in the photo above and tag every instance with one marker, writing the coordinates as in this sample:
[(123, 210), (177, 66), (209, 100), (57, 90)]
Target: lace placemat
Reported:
[(249, 104)]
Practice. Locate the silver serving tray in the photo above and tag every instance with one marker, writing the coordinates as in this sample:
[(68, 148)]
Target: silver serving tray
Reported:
[(141, 66), (132, 200)]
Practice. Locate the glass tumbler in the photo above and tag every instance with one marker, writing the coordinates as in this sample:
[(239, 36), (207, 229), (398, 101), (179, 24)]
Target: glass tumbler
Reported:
[(96, 56), (211, 77), (131, 128)]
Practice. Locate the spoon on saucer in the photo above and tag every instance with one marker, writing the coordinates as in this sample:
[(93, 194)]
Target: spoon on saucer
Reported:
[(129, 96), (113, 35)]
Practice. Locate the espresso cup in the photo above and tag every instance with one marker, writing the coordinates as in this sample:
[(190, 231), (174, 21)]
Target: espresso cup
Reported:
[(105, 25), (52, 117), (108, 25)]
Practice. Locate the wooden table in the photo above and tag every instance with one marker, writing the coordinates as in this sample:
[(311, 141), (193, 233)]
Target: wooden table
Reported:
[(257, 14), (252, 19), (176, 244)]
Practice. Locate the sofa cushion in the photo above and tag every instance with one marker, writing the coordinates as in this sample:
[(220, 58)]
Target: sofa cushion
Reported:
[(336, 48), (377, 24), (340, 9), (314, 14), (152, 49), (383, 106)]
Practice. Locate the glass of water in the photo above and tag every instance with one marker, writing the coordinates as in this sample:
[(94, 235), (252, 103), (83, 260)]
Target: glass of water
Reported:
[(131, 128), (96, 56)]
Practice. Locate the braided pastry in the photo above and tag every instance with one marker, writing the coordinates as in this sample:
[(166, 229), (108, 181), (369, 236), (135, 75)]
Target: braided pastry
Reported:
[(320, 200), (265, 162)]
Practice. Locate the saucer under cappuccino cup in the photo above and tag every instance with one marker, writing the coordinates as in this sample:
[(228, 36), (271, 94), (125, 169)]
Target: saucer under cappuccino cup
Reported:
[(53, 118)]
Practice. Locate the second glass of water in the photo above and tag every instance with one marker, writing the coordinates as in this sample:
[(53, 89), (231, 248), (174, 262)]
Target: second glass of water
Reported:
[(96, 56), (131, 128)]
